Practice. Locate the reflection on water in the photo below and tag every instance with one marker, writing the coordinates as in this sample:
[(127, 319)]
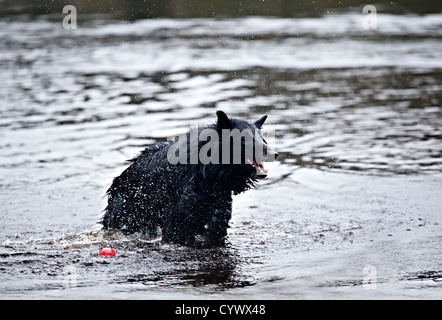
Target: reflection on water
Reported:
[(75, 104), (339, 96)]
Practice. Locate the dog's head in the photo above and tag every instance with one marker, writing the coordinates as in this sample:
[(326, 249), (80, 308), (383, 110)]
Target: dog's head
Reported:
[(242, 143)]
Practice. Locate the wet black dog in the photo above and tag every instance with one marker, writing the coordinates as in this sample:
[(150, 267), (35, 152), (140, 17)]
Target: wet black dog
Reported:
[(184, 188)]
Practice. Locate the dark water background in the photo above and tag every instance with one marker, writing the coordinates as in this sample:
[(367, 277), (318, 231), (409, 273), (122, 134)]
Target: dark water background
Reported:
[(357, 115)]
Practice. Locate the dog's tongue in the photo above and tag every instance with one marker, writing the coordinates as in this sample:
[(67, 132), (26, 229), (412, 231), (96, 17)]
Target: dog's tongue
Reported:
[(259, 167), (260, 170)]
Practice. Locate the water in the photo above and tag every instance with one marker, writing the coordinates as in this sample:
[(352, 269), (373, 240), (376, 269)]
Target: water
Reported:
[(358, 119)]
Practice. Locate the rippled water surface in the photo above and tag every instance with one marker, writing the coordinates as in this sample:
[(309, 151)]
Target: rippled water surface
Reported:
[(357, 115)]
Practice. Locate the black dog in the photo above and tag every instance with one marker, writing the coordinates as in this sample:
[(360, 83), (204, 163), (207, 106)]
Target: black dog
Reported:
[(193, 196)]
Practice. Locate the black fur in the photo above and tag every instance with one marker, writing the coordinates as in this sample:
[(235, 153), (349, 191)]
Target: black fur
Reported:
[(183, 200)]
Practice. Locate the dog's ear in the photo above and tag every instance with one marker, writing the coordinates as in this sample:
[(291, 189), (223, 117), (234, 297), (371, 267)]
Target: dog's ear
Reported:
[(223, 120), (260, 122)]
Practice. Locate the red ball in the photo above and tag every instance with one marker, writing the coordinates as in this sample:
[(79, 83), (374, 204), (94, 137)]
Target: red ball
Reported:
[(107, 252)]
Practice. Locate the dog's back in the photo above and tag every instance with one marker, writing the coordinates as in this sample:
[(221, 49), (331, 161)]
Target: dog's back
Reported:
[(133, 198)]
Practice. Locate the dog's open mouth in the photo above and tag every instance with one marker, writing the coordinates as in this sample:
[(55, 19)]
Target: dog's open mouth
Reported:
[(261, 172)]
